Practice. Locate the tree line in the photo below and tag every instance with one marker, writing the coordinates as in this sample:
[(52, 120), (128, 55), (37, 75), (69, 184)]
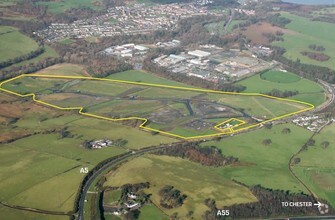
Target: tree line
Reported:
[(207, 155), (282, 94), (28, 56)]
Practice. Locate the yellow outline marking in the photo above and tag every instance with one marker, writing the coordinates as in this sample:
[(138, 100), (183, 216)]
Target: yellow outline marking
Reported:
[(231, 130)]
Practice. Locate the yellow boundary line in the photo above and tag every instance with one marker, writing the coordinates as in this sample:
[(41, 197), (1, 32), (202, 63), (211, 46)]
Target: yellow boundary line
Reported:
[(225, 131)]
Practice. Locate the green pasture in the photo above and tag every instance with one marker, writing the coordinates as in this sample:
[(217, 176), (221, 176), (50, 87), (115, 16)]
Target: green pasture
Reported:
[(280, 77), (232, 23), (64, 69), (112, 197), (27, 175), (196, 181), (317, 168), (145, 77), (14, 214), (305, 33), (260, 164), (150, 211), (14, 44), (48, 53), (309, 91)]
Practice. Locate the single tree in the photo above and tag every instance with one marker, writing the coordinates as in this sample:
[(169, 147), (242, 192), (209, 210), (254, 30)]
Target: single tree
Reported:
[(266, 142)]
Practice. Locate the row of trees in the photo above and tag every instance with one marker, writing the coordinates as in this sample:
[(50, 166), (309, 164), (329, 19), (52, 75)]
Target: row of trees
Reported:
[(29, 68), (208, 155), (316, 47), (282, 94), (28, 56)]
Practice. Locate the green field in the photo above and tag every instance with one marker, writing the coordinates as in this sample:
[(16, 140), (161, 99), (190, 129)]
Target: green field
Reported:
[(186, 176), (13, 214), (141, 76), (317, 168), (57, 7), (14, 44), (64, 69), (48, 53), (309, 91), (112, 197), (35, 169), (280, 77), (152, 212), (217, 27), (307, 32), (123, 100), (265, 165), (232, 23)]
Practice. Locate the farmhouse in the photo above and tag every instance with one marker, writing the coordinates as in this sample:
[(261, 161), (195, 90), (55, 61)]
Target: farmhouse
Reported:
[(132, 195), (100, 144)]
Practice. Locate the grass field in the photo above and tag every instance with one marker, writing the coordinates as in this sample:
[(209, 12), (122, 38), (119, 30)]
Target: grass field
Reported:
[(152, 212), (307, 32), (64, 69), (13, 214), (280, 77), (14, 44), (317, 168), (309, 91), (57, 7), (48, 53), (111, 197), (196, 181), (261, 164), (141, 76), (35, 169), (123, 100)]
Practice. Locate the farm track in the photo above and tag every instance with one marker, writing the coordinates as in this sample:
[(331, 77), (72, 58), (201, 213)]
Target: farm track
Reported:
[(28, 209)]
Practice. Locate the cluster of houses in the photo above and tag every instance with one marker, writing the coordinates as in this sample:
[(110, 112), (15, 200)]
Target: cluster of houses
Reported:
[(132, 19), (123, 208), (312, 123)]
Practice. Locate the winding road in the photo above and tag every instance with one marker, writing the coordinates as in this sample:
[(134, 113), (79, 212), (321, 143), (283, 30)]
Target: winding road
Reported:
[(96, 174)]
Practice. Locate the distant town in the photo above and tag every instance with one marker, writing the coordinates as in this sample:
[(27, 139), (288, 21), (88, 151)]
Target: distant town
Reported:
[(136, 19)]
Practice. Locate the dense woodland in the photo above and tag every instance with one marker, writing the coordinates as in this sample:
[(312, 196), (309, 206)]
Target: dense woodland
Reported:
[(269, 204), (207, 156)]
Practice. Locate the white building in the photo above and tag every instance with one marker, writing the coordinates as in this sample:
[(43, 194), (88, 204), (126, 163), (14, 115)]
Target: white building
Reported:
[(199, 53)]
